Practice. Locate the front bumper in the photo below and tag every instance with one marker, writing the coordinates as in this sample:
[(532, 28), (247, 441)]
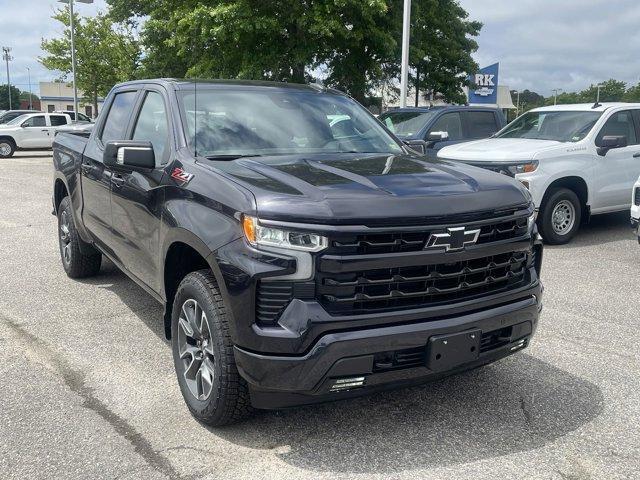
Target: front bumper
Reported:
[(339, 358)]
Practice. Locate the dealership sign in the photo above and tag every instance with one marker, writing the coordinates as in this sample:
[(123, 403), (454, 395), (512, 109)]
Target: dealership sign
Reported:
[(484, 85)]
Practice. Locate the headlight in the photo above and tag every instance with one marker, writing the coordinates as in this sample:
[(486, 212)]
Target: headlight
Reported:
[(259, 235), (523, 168)]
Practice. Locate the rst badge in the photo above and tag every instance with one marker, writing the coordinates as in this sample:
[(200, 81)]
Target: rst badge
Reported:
[(454, 239), (181, 176)]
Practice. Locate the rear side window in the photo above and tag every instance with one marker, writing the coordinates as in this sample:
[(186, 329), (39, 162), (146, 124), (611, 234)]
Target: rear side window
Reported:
[(118, 117), (480, 124), (619, 124), (450, 123), (57, 120), (152, 126), (38, 121)]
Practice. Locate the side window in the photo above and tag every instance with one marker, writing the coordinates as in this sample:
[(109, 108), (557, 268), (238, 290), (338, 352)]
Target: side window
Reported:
[(118, 117), (57, 120), (152, 126), (38, 121), (480, 124), (450, 123), (619, 124)]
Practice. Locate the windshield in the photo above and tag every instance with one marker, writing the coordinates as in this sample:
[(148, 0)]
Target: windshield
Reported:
[(242, 122), (18, 120), (406, 124), (559, 126)]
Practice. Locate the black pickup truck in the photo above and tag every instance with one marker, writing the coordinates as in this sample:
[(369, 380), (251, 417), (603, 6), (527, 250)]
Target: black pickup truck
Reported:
[(302, 252)]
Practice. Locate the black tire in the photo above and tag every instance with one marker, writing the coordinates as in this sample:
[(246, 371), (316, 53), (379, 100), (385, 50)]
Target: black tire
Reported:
[(76, 263), (7, 148), (571, 210), (228, 398)]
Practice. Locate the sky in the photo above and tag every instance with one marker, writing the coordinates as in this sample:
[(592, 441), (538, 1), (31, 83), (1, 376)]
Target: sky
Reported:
[(540, 44)]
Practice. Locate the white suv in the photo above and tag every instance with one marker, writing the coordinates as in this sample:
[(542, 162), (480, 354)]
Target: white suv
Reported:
[(576, 160), (30, 131)]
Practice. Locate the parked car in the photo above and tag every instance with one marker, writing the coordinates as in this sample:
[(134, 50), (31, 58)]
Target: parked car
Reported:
[(296, 262), (443, 125), (8, 115), (576, 160), (79, 117), (30, 131), (635, 209)]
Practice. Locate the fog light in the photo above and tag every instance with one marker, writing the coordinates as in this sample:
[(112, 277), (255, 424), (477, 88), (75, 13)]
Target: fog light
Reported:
[(343, 384)]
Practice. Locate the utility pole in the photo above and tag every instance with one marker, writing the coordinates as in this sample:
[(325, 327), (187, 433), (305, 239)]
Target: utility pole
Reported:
[(404, 76), (73, 53), (6, 55), (555, 95), (30, 96)]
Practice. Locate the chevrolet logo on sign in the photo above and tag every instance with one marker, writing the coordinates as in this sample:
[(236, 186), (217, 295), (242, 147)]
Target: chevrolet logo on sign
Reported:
[(455, 239)]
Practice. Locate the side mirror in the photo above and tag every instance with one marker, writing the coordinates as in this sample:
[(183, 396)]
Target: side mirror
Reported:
[(129, 154), (609, 142), (438, 136), (418, 146), (23, 125)]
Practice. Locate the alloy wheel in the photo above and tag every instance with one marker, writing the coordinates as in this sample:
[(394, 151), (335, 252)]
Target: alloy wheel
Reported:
[(65, 237), (5, 149), (196, 349)]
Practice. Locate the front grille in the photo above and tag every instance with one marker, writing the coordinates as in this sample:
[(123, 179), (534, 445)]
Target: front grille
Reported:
[(397, 288), (636, 196), (414, 241)]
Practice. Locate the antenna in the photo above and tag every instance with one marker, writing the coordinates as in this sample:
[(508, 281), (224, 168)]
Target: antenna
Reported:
[(195, 116), (597, 104)]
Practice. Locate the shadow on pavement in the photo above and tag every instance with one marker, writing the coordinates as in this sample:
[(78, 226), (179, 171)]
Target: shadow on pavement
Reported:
[(516, 405), (601, 229)]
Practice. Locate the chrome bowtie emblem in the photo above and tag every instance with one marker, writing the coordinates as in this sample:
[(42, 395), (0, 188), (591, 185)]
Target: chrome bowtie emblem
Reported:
[(455, 239)]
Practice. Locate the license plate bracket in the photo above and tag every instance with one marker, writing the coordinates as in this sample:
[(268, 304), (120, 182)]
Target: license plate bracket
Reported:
[(445, 352)]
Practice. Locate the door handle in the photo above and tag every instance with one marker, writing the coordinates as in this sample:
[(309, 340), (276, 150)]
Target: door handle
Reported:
[(636, 155), (117, 180), (86, 167)]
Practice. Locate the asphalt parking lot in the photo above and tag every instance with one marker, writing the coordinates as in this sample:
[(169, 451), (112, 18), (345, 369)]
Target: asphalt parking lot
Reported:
[(88, 388)]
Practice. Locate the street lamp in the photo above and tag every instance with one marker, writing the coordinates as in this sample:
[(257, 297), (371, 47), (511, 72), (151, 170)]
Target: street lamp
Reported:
[(6, 55), (555, 95), (404, 75), (30, 98), (73, 53)]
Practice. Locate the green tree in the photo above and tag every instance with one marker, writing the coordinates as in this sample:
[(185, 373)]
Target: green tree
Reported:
[(4, 97), (632, 94), (353, 44), (106, 53)]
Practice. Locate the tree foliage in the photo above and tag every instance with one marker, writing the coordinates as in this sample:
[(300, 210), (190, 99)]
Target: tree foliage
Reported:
[(106, 53), (353, 45), (4, 97)]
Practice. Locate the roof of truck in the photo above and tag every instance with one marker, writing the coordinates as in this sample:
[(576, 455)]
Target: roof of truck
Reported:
[(576, 107)]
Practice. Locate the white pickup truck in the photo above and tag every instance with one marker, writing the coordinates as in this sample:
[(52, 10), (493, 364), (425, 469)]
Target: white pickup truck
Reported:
[(30, 131), (576, 160)]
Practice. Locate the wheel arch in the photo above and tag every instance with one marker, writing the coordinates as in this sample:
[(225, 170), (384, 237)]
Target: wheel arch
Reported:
[(60, 191), (575, 183), (182, 254)]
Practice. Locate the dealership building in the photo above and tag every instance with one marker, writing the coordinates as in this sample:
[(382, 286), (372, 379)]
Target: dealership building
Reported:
[(56, 96)]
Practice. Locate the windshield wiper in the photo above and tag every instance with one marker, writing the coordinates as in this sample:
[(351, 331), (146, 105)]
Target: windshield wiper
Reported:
[(231, 156)]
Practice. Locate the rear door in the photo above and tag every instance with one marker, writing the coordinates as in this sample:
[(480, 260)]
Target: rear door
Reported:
[(135, 194), (616, 172), (96, 178), (35, 133), (479, 124)]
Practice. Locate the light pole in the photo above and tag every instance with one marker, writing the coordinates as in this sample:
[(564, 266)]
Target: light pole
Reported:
[(29, 77), (73, 53), (555, 95), (404, 74), (6, 55)]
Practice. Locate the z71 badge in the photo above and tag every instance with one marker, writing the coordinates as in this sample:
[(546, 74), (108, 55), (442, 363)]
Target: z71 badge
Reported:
[(181, 176)]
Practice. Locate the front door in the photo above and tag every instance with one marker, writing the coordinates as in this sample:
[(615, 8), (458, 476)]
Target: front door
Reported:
[(136, 196), (35, 133), (96, 178), (616, 172)]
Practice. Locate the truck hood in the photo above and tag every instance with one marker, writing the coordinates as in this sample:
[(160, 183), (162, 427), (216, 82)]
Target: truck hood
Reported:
[(497, 149), (370, 189)]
